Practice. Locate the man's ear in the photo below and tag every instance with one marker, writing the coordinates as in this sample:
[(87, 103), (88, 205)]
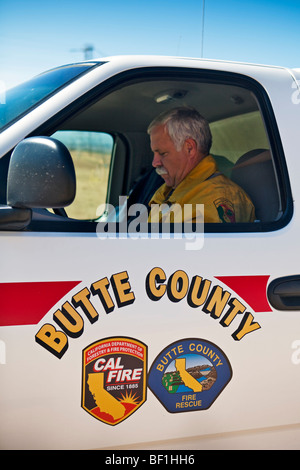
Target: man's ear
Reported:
[(191, 148)]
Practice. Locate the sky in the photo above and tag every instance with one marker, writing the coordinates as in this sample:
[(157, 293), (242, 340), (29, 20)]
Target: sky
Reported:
[(36, 35)]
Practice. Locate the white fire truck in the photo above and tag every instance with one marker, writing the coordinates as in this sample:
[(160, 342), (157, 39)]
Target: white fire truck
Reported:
[(118, 335)]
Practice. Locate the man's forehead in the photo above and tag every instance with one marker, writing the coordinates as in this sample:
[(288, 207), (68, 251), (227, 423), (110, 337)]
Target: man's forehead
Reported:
[(159, 134)]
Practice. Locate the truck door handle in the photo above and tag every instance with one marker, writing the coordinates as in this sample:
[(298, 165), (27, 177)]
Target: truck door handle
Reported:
[(284, 293)]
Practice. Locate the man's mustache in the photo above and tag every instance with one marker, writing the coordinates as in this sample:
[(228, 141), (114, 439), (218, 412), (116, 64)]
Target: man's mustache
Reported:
[(160, 170)]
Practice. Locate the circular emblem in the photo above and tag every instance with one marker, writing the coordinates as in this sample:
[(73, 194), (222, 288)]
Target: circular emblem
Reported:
[(189, 375)]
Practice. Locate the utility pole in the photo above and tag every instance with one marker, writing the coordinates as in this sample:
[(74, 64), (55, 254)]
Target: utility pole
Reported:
[(88, 51)]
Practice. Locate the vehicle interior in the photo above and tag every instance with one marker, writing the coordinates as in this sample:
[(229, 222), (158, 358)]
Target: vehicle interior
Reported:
[(116, 154)]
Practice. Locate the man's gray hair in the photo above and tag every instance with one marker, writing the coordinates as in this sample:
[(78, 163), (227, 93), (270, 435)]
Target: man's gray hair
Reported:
[(185, 123)]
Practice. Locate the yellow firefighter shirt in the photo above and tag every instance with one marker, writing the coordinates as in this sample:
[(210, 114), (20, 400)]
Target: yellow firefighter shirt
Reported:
[(223, 200)]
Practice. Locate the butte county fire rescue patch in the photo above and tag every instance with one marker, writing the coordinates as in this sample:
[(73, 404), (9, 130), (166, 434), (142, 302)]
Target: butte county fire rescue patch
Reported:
[(114, 372), (188, 375)]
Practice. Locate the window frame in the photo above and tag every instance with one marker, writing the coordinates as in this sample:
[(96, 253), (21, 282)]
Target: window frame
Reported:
[(181, 73)]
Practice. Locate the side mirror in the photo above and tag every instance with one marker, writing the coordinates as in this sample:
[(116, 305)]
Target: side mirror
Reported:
[(41, 174)]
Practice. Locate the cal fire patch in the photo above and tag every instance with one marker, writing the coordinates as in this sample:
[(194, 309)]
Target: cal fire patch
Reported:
[(114, 378), (188, 375)]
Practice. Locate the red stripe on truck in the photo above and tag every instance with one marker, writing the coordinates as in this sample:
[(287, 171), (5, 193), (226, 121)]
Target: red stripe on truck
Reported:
[(253, 289), (26, 303)]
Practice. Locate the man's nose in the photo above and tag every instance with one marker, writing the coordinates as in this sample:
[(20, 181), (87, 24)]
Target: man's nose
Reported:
[(156, 160)]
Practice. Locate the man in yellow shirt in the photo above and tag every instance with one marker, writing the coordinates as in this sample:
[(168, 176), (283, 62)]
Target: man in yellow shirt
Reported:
[(180, 141)]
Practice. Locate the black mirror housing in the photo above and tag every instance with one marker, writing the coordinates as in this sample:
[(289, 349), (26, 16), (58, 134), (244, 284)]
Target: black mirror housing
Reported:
[(41, 174)]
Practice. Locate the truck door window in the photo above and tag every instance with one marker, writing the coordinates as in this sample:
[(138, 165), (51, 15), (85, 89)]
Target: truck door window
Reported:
[(245, 144)]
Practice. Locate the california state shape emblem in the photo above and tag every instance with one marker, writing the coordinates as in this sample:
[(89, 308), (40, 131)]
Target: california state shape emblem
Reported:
[(114, 372)]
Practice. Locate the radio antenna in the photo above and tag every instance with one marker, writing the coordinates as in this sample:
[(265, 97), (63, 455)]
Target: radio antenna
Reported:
[(202, 39)]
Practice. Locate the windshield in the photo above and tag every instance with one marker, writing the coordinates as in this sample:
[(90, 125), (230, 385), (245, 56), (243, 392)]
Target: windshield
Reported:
[(17, 101)]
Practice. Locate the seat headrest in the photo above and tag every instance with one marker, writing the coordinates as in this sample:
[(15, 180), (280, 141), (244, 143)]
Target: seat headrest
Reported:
[(254, 172)]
